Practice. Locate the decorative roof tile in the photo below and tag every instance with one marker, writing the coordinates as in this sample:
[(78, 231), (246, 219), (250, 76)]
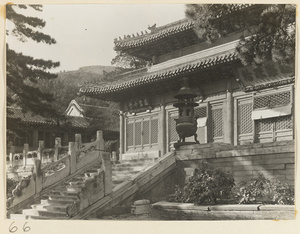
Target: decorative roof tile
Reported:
[(146, 78), (159, 33), (29, 118)]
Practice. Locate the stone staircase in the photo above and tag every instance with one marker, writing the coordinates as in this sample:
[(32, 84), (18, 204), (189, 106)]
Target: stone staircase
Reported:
[(71, 196), (126, 169)]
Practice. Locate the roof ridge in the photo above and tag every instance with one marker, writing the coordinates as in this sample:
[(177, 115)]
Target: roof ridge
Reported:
[(165, 73), (155, 31)]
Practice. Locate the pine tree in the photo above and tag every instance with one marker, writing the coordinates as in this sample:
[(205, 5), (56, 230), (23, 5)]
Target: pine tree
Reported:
[(23, 72), (269, 30), (125, 60)]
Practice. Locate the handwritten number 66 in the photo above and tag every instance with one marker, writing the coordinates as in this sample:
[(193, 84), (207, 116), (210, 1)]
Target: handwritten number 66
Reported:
[(13, 229)]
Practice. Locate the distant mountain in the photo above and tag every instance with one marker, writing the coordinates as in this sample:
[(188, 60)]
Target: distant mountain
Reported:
[(85, 75), (97, 69)]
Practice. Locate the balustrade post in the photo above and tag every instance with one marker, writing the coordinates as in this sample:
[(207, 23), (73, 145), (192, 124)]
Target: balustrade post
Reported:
[(38, 175), (40, 150), (11, 158), (100, 144), (25, 151), (78, 141), (56, 148), (107, 173), (73, 160)]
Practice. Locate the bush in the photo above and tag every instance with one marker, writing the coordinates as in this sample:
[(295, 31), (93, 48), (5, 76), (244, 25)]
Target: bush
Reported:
[(206, 186), (262, 190), (10, 185)]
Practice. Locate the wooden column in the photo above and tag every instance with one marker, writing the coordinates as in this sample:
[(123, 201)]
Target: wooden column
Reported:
[(162, 141), (229, 114), (122, 132)]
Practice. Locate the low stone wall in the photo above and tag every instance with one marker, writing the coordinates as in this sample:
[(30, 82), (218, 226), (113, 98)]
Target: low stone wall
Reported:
[(188, 211), (273, 160)]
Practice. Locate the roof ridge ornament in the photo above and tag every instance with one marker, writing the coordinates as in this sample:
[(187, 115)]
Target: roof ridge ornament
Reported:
[(152, 28)]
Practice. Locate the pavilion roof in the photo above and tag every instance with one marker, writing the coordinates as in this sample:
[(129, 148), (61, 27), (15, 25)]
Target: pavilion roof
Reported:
[(143, 78), (154, 36), (157, 34)]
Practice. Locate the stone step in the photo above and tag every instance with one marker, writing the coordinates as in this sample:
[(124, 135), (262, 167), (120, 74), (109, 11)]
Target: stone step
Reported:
[(124, 173), (18, 216), (75, 189), (93, 170), (30, 212), (61, 202), (62, 197), (64, 193), (39, 206), (134, 168), (131, 164), (43, 212), (60, 208), (52, 213), (121, 178), (23, 217)]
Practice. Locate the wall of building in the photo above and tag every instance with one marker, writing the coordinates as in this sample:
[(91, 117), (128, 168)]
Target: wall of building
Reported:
[(273, 160), (225, 115)]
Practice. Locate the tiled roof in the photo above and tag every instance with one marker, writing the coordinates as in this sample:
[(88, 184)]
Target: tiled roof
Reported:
[(161, 75), (75, 121), (27, 117), (78, 122), (162, 32), (158, 34)]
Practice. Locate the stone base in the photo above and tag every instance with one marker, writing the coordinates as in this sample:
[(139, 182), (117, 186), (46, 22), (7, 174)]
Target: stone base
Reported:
[(188, 211), (178, 144), (141, 155)]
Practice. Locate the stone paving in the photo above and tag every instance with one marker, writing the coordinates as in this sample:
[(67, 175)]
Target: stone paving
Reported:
[(127, 216)]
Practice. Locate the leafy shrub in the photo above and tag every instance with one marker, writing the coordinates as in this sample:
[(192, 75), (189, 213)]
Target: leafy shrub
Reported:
[(264, 190), (10, 185), (206, 186)]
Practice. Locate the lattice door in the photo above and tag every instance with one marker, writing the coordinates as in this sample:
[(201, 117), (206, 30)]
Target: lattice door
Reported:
[(216, 123), (244, 120), (146, 132), (129, 135), (173, 136), (154, 131)]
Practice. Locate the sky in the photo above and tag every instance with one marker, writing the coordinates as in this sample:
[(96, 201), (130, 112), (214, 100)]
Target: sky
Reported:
[(85, 33)]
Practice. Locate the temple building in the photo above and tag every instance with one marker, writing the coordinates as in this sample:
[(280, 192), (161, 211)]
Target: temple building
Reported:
[(31, 128), (237, 104)]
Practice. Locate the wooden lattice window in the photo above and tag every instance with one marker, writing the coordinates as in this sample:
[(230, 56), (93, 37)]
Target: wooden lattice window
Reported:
[(265, 125), (154, 130), (138, 133), (284, 122), (173, 135), (277, 99), (216, 122), (245, 123), (129, 134), (200, 112), (146, 131)]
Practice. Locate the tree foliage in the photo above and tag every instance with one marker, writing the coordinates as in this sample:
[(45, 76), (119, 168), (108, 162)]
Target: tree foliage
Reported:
[(126, 60), (268, 30), (23, 71)]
